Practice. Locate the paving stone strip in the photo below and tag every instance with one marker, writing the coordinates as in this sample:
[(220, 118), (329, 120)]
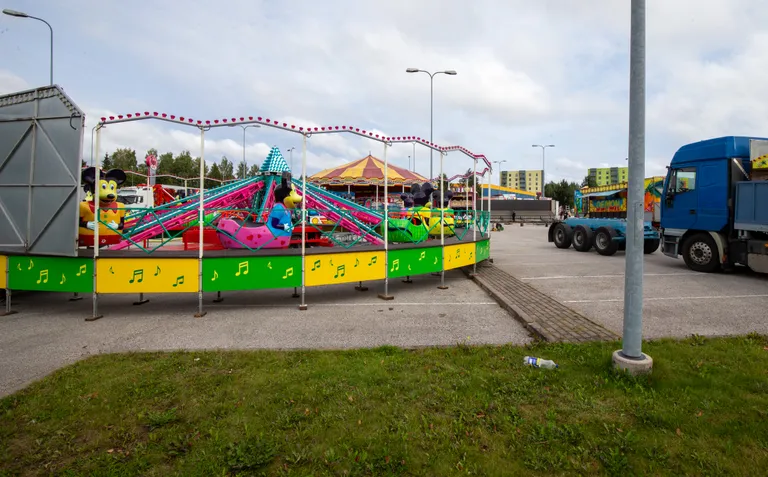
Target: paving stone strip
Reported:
[(541, 314)]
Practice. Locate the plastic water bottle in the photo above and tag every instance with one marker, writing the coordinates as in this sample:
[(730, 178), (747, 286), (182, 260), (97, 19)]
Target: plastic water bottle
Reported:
[(539, 363)]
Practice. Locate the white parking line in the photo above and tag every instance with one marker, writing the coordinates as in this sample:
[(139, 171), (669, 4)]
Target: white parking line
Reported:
[(710, 297), (562, 277), (390, 304)]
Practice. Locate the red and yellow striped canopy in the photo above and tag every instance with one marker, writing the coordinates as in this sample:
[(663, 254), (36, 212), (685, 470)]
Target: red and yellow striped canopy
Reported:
[(368, 170)]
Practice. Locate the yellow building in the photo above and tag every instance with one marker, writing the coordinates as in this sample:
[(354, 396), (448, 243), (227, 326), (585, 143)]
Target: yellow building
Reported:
[(529, 181), (608, 175)]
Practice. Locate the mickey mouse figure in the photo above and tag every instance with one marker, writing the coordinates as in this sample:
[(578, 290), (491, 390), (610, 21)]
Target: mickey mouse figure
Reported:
[(111, 212), (286, 198)]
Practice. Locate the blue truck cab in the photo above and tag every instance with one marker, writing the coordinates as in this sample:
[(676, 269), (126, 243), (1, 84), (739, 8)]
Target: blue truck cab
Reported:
[(714, 210)]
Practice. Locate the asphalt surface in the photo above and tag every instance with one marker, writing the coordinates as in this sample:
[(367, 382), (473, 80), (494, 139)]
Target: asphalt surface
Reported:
[(49, 331), (677, 301)]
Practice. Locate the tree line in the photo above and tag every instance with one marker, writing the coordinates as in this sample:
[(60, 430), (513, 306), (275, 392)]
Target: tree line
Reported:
[(180, 165)]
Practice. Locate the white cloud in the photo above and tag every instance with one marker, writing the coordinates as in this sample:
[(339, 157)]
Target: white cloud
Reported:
[(528, 72)]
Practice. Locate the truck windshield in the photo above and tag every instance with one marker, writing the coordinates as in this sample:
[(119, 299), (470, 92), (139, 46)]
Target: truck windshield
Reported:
[(128, 199)]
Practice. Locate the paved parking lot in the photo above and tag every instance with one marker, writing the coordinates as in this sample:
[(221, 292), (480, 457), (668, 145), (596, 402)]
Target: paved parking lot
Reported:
[(49, 331), (677, 301)]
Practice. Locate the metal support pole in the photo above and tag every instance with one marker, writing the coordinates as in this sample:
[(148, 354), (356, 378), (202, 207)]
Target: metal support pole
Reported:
[(490, 193), (386, 295), (474, 212), (431, 110), (8, 310), (76, 297), (631, 357), (218, 298), (200, 216), (97, 165), (442, 221), (414, 157), (303, 305), (141, 300)]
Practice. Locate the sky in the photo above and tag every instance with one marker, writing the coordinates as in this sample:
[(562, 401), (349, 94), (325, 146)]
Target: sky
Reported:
[(543, 72)]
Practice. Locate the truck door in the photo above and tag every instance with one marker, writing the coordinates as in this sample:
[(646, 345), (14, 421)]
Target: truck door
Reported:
[(679, 209)]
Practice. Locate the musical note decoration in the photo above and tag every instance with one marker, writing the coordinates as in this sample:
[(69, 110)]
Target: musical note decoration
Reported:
[(82, 270), (63, 279), (18, 266), (435, 263), (138, 276), (409, 267), (373, 260), (111, 271), (357, 262), (269, 265), (31, 264), (341, 269), (288, 273), (422, 255), (215, 276), (179, 281), (157, 272), (331, 262), (395, 265), (242, 269), (315, 265), (43, 276)]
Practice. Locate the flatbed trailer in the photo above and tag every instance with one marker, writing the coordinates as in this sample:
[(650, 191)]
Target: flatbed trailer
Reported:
[(607, 236)]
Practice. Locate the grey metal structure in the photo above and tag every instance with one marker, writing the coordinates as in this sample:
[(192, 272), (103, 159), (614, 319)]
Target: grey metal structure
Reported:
[(41, 141)]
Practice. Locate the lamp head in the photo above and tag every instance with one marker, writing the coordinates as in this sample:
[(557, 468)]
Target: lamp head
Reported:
[(412, 70), (450, 72), (15, 13)]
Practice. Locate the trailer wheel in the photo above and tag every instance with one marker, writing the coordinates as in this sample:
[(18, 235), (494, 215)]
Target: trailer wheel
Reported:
[(582, 238), (604, 243), (562, 234), (700, 253), (650, 245)]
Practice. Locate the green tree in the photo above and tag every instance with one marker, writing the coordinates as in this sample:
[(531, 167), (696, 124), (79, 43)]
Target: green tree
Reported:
[(165, 165), (254, 170), (125, 159), (106, 163), (214, 173), (227, 169), (561, 191), (242, 170), (589, 181)]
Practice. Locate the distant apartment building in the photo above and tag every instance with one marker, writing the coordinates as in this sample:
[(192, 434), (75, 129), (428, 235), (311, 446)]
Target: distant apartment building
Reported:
[(529, 181), (608, 175)]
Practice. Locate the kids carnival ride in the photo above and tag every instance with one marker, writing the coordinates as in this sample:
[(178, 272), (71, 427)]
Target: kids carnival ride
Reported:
[(245, 234)]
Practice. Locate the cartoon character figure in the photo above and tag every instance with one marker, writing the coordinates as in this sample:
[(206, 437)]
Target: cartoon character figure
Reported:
[(113, 218), (407, 199), (286, 198)]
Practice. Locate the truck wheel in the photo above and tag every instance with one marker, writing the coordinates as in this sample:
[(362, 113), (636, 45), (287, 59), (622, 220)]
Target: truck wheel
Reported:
[(562, 235), (700, 253), (650, 245), (582, 238), (604, 243)]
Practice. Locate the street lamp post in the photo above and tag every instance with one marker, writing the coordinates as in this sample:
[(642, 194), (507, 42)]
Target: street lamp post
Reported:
[(291, 151), (244, 128), (414, 157), (18, 14), (543, 166), (431, 102), (498, 162)]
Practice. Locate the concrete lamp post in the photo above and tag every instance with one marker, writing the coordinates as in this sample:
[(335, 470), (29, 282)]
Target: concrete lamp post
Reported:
[(18, 14), (543, 166), (431, 104)]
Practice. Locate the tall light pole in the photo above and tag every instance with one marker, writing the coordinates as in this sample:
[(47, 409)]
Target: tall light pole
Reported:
[(498, 162), (18, 14), (431, 102), (543, 166), (291, 151), (244, 128), (414, 157)]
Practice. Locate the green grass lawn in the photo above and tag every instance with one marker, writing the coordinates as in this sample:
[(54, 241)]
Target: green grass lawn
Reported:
[(451, 411)]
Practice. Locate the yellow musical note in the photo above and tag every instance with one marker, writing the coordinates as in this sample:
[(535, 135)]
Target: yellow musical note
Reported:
[(63, 279), (215, 276), (288, 273), (179, 281), (395, 265), (18, 266), (409, 267), (435, 261), (138, 275), (269, 265), (82, 270), (31, 264), (43, 276), (373, 260), (423, 254), (315, 265), (242, 268), (340, 269), (157, 272)]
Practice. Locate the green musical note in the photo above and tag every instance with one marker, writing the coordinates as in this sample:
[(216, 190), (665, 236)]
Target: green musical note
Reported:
[(137, 274), (331, 262), (373, 260), (157, 272), (179, 281), (458, 252), (215, 276), (340, 269), (111, 271), (242, 268), (423, 254), (288, 273), (82, 270), (43, 276), (315, 265), (395, 265), (357, 262)]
